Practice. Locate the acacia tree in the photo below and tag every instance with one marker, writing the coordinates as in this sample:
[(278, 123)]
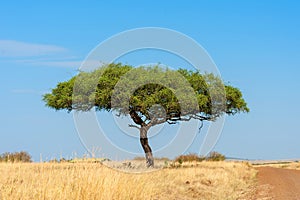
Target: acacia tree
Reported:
[(149, 95)]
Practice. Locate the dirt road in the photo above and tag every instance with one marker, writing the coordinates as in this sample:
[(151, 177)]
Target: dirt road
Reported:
[(278, 184)]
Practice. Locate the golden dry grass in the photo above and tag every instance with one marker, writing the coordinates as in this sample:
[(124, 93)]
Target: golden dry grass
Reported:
[(280, 164), (205, 180)]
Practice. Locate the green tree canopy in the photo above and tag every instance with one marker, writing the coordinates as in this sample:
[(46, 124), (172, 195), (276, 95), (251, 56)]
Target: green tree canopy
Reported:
[(149, 95)]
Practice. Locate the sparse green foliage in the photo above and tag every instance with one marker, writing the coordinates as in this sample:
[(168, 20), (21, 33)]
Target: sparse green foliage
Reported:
[(95, 89)]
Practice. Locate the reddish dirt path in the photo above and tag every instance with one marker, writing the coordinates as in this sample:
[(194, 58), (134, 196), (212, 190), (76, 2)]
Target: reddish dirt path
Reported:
[(278, 184)]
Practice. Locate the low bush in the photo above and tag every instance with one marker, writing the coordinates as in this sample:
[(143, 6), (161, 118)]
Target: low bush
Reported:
[(21, 156), (189, 158), (215, 156)]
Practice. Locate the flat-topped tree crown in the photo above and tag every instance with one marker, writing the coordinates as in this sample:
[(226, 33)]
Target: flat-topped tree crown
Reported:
[(149, 95)]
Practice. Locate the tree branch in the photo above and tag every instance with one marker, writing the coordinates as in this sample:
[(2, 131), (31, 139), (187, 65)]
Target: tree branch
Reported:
[(136, 118), (201, 117), (171, 122), (134, 126), (201, 126)]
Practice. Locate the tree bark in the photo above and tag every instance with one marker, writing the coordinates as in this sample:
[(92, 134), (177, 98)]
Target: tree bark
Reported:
[(143, 137), (146, 146)]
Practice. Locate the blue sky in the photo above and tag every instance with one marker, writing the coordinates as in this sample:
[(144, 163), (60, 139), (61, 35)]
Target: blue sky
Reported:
[(255, 44)]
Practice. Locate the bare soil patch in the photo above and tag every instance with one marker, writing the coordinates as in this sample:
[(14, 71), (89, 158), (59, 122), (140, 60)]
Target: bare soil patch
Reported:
[(278, 183)]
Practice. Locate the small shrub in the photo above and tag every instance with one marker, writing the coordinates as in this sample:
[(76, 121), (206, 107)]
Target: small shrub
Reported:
[(21, 156), (188, 158), (63, 160), (215, 156), (166, 164)]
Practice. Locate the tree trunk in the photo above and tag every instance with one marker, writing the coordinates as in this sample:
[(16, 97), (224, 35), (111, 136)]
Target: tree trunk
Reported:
[(143, 137), (146, 146)]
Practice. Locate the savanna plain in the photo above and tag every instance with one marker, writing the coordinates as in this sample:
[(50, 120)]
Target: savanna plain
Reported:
[(207, 180)]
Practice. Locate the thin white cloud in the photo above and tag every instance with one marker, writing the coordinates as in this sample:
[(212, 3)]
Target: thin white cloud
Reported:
[(52, 63), (71, 64), (37, 54), (12, 48), (42, 55), (77, 64), (26, 91)]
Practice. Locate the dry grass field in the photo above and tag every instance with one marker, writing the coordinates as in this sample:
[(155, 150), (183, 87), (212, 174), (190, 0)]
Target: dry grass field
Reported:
[(280, 164), (205, 180)]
